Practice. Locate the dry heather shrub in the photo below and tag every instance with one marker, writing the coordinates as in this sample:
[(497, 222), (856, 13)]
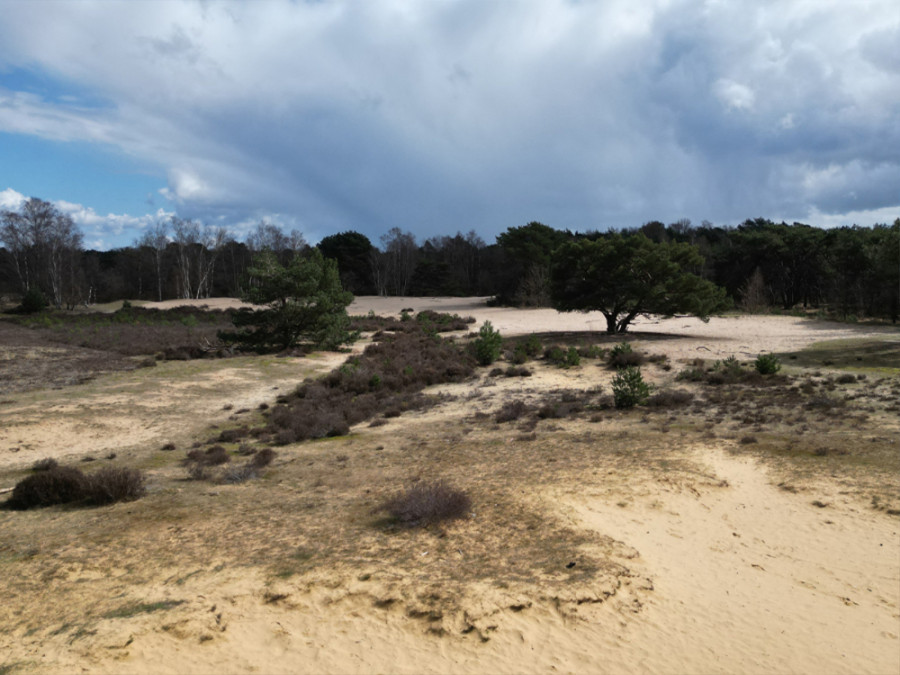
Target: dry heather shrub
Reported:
[(233, 435), (426, 503), (59, 485), (386, 378), (211, 457), (623, 356), (44, 464), (263, 458), (115, 484), (511, 410), (67, 485), (198, 472), (673, 398), (239, 474)]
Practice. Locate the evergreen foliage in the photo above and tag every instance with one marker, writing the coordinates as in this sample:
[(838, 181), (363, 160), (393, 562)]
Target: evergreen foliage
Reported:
[(487, 345), (303, 302), (629, 388), (626, 276)]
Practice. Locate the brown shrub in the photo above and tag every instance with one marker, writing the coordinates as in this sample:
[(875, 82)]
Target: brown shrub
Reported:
[(426, 503), (213, 456), (115, 484), (670, 398), (233, 435), (511, 410), (239, 473), (385, 379), (620, 360), (59, 485), (45, 464), (263, 458)]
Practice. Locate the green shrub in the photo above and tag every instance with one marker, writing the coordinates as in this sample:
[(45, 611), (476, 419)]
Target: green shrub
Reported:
[(730, 367), (767, 364), (519, 355), (573, 358), (531, 346), (562, 358), (623, 356), (487, 344), (629, 388), (33, 301)]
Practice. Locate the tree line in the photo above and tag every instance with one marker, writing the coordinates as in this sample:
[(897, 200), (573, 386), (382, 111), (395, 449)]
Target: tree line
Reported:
[(762, 265)]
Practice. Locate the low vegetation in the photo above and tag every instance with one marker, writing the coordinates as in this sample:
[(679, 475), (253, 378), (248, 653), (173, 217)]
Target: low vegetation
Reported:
[(487, 345), (179, 333), (629, 388), (427, 503), (68, 485)]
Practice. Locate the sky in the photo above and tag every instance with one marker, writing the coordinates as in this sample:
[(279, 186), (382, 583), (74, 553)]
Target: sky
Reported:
[(438, 116)]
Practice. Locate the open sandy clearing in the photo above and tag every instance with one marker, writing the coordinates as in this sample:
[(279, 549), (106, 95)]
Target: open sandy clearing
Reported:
[(718, 569)]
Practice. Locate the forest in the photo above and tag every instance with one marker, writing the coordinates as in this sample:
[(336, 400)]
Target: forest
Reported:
[(847, 273)]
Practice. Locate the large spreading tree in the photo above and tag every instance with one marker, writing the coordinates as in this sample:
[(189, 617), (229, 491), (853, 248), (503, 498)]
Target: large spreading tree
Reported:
[(302, 303), (626, 276)]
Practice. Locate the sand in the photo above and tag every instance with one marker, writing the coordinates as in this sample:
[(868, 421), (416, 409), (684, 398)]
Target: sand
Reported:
[(746, 578)]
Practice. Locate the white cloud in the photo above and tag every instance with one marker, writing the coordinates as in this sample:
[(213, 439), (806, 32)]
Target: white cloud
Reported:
[(10, 200), (734, 94)]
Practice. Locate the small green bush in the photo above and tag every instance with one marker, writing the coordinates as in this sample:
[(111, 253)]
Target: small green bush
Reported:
[(730, 366), (487, 344), (531, 346), (767, 364), (629, 388), (563, 358), (33, 301)]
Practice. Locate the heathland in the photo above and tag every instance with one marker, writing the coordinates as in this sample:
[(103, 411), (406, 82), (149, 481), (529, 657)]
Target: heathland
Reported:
[(399, 507)]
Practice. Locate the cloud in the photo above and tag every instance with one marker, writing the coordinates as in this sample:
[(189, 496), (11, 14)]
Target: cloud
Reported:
[(10, 200), (734, 94), (443, 116)]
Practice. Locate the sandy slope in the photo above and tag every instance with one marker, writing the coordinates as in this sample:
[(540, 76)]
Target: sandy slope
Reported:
[(746, 578), (751, 579)]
